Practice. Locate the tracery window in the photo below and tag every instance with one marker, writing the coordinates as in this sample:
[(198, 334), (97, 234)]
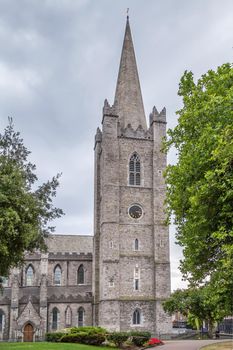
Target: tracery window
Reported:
[(2, 321), (68, 316), (81, 317), (57, 275), (135, 170), (81, 274), (29, 276), (55, 318), (137, 317)]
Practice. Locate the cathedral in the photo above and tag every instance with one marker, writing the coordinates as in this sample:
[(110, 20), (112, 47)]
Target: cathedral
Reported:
[(119, 277)]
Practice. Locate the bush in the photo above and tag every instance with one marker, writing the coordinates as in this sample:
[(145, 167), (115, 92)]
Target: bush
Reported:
[(88, 329), (83, 338), (83, 335), (54, 337), (73, 338), (118, 338), (139, 337), (95, 339)]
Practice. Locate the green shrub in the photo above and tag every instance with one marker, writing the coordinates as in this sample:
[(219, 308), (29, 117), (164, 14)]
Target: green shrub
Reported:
[(139, 337), (118, 338), (88, 329), (72, 338), (95, 339), (83, 335), (83, 338), (54, 337)]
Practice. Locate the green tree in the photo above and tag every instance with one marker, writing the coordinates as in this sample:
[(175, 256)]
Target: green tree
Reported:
[(200, 185), (198, 305), (25, 212)]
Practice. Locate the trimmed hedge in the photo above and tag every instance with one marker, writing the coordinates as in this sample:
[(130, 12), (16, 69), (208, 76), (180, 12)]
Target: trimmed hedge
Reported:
[(139, 338), (88, 329), (83, 338), (54, 337), (118, 338), (97, 335)]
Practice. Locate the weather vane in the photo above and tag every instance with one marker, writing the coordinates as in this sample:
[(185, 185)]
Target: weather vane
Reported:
[(127, 11)]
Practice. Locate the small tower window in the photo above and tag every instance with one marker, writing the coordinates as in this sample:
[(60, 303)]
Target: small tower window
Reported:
[(29, 276), (68, 316), (111, 282), (136, 317), (136, 278), (81, 317), (135, 170), (136, 244), (57, 276), (81, 274), (55, 318), (2, 321)]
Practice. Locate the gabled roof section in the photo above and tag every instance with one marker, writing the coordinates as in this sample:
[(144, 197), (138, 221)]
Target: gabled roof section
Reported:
[(29, 314), (128, 96), (69, 244)]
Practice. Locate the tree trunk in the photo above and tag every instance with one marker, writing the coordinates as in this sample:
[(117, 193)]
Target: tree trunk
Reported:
[(210, 328)]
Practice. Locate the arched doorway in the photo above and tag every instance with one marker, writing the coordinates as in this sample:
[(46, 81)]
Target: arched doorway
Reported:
[(28, 333)]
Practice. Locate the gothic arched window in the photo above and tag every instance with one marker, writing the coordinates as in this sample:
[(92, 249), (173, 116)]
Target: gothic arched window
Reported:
[(2, 321), (4, 281), (57, 275), (80, 276), (136, 317), (136, 244), (55, 318), (29, 275), (134, 170), (81, 317), (68, 316)]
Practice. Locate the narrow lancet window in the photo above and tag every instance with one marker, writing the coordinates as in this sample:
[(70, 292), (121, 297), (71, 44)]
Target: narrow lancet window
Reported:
[(81, 274), (136, 278), (136, 244), (68, 316), (57, 276), (55, 318), (4, 281), (136, 317), (81, 317), (29, 276), (2, 321), (135, 170)]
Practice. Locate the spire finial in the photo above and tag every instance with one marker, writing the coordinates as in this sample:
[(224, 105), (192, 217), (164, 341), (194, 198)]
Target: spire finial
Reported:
[(127, 12)]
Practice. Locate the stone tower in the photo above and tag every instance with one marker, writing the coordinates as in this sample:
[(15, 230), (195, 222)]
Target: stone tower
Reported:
[(131, 269)]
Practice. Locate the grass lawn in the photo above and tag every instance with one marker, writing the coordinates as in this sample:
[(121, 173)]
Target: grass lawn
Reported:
[(47, 346), (221, 346)]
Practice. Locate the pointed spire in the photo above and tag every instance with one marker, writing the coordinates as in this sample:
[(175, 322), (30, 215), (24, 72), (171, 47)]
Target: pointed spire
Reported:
[(128, 96)]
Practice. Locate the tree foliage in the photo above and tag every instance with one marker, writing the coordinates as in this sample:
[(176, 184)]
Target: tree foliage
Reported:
[(200, 185), (197, 304), (25, 212)]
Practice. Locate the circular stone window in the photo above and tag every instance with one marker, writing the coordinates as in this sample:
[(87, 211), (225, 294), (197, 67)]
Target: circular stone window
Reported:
[(135, 211)]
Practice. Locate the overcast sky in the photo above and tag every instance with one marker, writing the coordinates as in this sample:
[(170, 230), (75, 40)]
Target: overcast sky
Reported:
[(59, 60)]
